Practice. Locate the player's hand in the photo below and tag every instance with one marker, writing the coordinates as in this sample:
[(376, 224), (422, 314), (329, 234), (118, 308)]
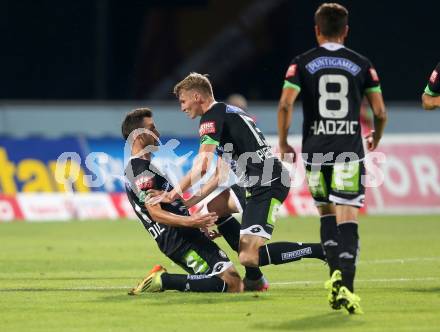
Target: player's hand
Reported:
[(198, 220), (172, 195), (211, 234), (156, 196), (372, 140), (285, 149)]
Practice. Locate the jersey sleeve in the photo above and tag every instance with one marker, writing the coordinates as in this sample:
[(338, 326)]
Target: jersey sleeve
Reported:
[(372, 81), (292, 78), (211, 126), (433, 86), (141, 178)]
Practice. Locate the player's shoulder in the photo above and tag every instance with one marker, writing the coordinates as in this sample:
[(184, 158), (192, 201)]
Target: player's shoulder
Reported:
[(137, 165), (306, 55), (216, 110), (357, 56)]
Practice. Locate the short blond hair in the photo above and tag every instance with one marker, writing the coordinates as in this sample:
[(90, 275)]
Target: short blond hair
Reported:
[(195, 81)]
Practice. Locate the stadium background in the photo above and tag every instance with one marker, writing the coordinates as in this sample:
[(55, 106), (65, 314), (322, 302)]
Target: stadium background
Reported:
[(71, 70)]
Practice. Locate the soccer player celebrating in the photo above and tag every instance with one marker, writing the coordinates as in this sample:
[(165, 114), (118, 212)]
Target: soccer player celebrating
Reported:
[(431, 95), (177, 233), (232, 134), (333, 80)]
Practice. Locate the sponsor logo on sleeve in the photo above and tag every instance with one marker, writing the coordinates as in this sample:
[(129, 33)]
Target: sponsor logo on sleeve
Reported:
[(144, 182), (374, 75), (434, 77), (207, 128), (291, 71)]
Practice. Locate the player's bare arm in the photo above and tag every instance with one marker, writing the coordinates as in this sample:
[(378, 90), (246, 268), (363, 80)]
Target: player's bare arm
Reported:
[(220, 176), (201, 164), (285, 111), (377, 104), (430, 102), (431, 95), (171, 219)]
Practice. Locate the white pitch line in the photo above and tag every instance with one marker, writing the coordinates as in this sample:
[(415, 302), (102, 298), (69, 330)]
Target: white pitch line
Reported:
[(359, 280), (391, 261), (400, 260), (280, 283)]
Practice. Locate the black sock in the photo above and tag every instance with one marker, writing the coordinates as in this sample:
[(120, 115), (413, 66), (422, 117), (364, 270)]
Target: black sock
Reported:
[(284, 252), (329, 241), (348, 251), (229, 228), (193, 283)]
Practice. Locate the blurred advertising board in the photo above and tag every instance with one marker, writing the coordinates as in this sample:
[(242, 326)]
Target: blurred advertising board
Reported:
[(403, 177)]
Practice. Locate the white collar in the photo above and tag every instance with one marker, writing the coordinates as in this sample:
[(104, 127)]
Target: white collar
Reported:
[(332, 46), (212, 104)]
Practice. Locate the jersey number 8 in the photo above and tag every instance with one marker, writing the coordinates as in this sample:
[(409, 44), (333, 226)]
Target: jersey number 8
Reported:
[(340, 96)]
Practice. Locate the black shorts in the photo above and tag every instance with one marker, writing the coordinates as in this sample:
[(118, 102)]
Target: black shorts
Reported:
[(341, 183), (261, 209), (201, 256)]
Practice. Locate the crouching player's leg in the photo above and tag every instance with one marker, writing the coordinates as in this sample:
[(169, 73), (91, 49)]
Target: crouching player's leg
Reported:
[(209, 268), (259, 218), (232, 200)]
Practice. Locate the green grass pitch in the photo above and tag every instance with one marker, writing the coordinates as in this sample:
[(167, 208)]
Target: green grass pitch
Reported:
[(75, 277)]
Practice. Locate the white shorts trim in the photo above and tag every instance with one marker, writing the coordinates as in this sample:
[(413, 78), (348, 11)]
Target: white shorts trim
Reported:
[(236, 201), (256, 230), (320, 203), (220, 267), (358, 201)]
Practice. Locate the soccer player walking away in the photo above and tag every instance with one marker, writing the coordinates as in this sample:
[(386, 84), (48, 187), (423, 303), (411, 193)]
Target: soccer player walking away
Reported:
[(333, 80), (177, 233), (232, 134), (431, 95)]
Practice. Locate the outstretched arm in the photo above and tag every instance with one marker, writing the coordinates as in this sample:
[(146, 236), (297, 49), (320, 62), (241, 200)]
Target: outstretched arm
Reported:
[(175, 220), (201, 165), (220, 176)]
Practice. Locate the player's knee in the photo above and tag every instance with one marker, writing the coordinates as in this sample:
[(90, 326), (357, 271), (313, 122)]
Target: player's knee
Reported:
[(218, 206), (248, 250), (248, 258), (233, 280), (326, 209), (235, 285)]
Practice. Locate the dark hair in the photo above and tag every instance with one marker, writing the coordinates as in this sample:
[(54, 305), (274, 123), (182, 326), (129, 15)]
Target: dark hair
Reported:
[(331, 18), (133, 120)]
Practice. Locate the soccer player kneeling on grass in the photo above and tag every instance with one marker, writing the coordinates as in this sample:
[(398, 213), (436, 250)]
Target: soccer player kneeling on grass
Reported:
[(178, 234)]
